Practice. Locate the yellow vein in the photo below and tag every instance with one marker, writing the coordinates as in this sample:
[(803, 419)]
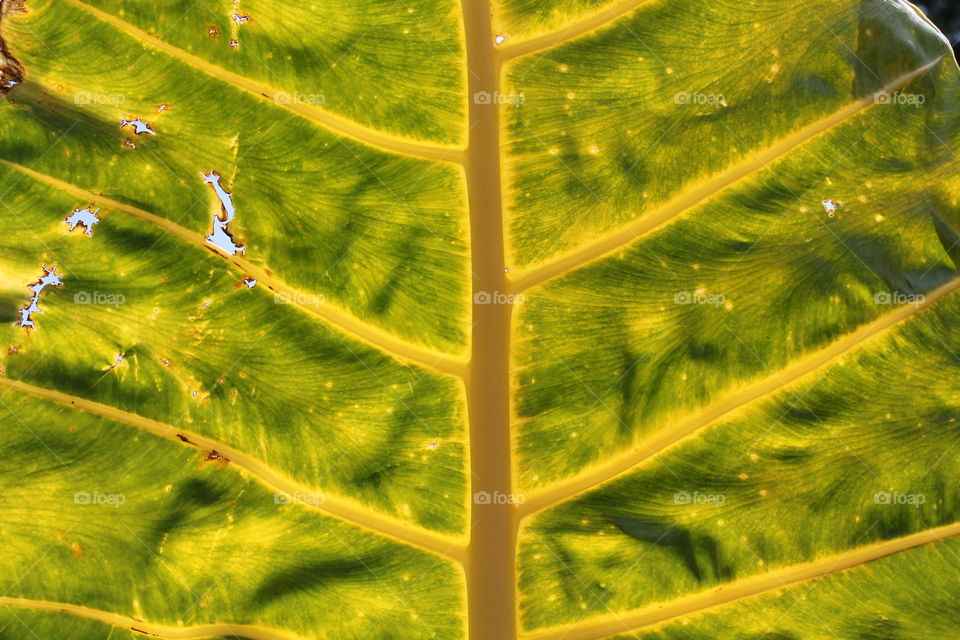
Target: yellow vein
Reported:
[(766, 386), (335, 123), (701, 191), (741, 589), (340, 507), (573, 30), (491, 560), (346, 322), (218, 629)]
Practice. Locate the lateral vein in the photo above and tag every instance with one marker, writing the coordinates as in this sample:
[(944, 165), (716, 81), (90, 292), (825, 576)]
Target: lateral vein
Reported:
[(218, 629), (330, 121), (700, 192), (746, 588), (339, 318), (573, 30), (342, 508), (668, 437)]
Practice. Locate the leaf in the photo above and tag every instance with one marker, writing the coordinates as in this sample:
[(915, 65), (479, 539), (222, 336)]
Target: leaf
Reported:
[(549, 320)]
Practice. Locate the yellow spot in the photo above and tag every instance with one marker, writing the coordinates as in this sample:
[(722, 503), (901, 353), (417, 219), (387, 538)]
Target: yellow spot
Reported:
[(571, 95), (669, 71), (696, 267), (564, 68), (878, 218), (743, 476), (553, 151), (763, 492), (754, 457)]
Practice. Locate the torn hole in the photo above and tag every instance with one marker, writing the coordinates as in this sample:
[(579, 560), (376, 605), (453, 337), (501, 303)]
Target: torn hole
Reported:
[(220, 236), (86, 217), (139, 126), (48, 279)]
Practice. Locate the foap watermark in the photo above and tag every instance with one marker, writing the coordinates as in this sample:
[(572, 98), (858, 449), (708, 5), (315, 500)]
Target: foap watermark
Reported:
[(685, 97), (699, 297), (95, 97), (485, 97), (898, 298), (899, 97), (897, 498), (297, 297), (310, 499), (296, 97), (495, 297), (99, 297), (99, 499), (485, 497), (685, 497)]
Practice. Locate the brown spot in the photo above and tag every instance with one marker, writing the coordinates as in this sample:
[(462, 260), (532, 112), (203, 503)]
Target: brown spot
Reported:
[(184, 438), (77, 550), (214, 456), (213, 31), (11, 72), (12, 350), (128, 144)]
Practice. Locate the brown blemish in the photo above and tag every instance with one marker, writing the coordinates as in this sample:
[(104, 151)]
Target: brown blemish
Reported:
[(11, 71), (214, 456), (213, 31), (183, 438)]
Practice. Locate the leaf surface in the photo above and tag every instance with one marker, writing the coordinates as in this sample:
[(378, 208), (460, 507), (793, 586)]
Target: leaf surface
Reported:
[(555, 320)]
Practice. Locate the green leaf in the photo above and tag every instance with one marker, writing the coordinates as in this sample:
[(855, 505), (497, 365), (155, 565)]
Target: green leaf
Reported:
[(539, 319)]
